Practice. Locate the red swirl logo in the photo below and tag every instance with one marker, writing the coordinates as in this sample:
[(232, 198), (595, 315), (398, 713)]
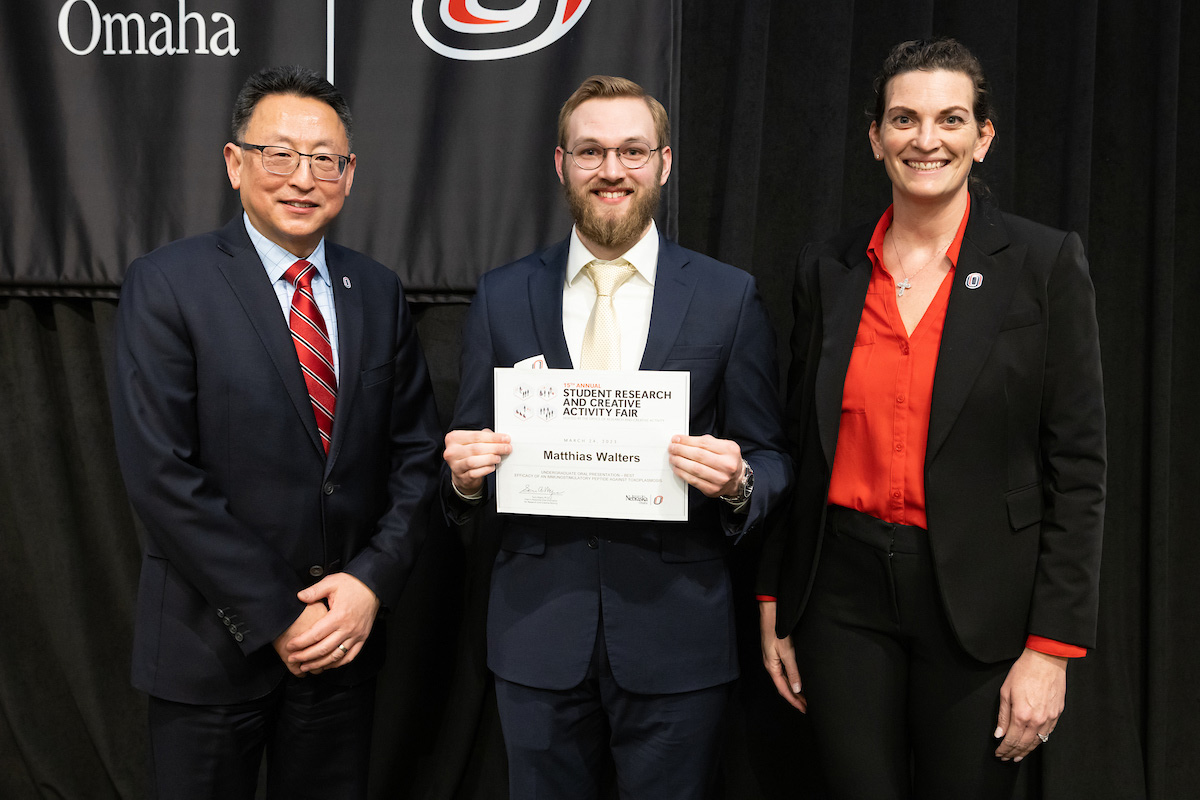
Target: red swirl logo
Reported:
[(471, 18)]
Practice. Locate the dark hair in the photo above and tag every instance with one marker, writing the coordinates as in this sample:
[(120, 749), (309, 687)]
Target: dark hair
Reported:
[(607, 87), (293, 80), (928, 55)]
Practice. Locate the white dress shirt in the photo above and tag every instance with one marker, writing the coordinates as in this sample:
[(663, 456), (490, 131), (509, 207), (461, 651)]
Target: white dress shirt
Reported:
[(632, 301)]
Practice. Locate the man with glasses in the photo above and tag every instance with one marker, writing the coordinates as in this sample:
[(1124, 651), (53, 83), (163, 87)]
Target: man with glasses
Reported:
[(616, 636), (278, 438)]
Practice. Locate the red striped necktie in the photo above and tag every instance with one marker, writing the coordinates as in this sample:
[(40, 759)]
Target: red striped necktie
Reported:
[(312, 347)]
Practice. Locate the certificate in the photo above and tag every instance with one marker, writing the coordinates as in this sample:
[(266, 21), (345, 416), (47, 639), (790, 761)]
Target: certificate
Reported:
[(591, 443)]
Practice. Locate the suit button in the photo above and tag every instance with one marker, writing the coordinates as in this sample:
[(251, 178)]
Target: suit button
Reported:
[(316, 570), (233, 629), (593, 542), (328, 487), (238, 637)]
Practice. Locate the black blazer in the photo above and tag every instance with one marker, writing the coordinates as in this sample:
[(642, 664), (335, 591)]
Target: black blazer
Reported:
[(662, 589), (1015, 465), (221, 457)]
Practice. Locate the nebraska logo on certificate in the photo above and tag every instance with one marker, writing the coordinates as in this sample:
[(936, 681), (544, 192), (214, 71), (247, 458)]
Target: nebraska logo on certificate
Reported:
[(591, 443)]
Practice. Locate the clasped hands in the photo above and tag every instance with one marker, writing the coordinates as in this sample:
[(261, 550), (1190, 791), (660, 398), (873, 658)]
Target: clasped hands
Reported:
[(337, 619), (712, 465)]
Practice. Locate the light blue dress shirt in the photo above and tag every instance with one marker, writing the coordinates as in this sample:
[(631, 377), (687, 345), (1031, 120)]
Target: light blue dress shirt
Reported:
[(276, 261)]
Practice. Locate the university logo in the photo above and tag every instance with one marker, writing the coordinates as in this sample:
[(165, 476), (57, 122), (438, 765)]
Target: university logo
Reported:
[(467, 22)]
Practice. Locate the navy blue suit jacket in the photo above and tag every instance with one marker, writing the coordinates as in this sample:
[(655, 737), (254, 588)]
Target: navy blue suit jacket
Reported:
[(1015, 460), (661, 589), (222, 461)]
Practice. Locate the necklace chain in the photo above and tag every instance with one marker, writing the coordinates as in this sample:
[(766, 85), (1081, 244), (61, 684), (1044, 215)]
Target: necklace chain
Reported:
[(902, 286)]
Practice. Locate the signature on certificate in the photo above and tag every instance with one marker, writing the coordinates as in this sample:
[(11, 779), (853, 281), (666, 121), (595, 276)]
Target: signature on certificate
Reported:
[(544, 491)]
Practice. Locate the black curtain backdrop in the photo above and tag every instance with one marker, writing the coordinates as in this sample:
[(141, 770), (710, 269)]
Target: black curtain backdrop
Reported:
[(1094, 123)]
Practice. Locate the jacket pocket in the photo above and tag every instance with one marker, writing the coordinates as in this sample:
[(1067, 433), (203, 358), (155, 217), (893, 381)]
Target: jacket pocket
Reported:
[(528, 541), (1024, 506), (695, 352), (379, 374), (688, 545)]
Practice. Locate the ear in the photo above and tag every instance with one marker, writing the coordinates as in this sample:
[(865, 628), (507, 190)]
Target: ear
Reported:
[(234, 157), (348, 175), (987, 132), (876, 144), (665, 153), (558, 164)]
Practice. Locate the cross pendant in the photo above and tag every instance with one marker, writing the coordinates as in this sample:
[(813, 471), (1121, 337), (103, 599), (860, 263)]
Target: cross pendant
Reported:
[(901, 286)]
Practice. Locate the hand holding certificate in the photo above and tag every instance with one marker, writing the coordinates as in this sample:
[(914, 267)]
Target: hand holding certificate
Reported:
[(591, 443)]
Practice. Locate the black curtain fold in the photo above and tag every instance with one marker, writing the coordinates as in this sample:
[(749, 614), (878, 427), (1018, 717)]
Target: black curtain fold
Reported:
[(1094, 135)]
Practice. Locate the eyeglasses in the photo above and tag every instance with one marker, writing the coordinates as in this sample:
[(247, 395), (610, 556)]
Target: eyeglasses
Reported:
[(633, 155), (284, 160)]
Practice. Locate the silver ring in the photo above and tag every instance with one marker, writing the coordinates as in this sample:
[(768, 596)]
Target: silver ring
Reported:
[(342, 647), (1045, 737)]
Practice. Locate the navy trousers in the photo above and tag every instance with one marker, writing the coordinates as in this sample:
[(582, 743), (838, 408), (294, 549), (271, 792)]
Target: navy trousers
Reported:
[(664, 746), (316, 737)]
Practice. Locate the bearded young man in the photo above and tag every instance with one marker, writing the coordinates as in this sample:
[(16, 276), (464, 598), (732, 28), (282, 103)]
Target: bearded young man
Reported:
[(617, 635)]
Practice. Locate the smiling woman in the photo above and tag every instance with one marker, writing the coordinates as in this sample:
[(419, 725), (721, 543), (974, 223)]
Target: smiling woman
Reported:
[(955, 503)]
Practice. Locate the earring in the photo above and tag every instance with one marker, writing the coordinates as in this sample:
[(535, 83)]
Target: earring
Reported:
[(878, 157)]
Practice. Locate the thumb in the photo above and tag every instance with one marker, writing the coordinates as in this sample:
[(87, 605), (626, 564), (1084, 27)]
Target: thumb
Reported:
[(314, 593)]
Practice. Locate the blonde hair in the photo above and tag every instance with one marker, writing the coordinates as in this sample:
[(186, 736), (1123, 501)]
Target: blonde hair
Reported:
[(606, 87)]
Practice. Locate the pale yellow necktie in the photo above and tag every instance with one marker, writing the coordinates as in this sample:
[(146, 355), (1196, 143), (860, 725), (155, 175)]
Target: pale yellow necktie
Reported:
[(602, 337)]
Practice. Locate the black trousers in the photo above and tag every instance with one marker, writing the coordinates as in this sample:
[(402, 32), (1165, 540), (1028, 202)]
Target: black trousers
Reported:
[(664, 746), (899, 709), (316, 736)]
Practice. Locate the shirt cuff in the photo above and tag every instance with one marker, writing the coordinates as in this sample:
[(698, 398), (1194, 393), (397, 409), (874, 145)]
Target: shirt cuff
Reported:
[(470, 498), (1054, 648), (766, 598)]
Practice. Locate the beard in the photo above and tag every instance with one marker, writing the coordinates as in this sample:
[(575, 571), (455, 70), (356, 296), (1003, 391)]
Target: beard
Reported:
[(613, 231)]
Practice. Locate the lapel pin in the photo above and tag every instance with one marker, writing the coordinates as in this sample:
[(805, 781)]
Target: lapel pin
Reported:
[(974, 280), (346, 281)]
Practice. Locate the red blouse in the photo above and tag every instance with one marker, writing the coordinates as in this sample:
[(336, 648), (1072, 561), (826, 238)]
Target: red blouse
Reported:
[(879, 466)]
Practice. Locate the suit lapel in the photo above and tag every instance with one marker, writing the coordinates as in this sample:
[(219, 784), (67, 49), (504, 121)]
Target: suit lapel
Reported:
[(673, 289), (843, 293), (246, 277), (973, 316), (546, 303), (347, 299)]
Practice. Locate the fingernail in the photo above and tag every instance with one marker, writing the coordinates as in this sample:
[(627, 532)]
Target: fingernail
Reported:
[(796, 688), (1017, 759), (999, 733)]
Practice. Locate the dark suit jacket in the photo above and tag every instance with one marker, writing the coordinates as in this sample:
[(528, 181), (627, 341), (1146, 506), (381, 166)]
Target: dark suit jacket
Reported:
[(221, 457), (661, 589), (1015, 464)]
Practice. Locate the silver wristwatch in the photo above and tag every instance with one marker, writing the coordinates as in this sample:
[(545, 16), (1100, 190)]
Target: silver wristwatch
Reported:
[(745, 486)]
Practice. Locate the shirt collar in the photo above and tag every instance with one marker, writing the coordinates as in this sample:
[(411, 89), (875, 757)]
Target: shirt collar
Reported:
[(643, 255), (276, 260), (875, 248)]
